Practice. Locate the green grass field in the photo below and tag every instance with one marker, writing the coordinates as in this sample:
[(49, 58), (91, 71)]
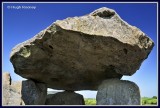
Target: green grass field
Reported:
[(90, 101), (145, 101), (149, 101)]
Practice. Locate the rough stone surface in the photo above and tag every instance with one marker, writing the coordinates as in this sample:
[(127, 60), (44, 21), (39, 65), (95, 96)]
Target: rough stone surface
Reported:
[(65, 98), (79, 53), (33, 93), (6, 78), (118, 92), (11, 94)]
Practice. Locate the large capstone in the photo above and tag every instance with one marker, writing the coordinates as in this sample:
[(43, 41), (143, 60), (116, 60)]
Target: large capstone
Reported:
[(118, 92), (79, 53)]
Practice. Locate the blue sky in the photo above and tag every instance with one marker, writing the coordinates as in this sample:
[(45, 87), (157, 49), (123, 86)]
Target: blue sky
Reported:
[(22, 24)]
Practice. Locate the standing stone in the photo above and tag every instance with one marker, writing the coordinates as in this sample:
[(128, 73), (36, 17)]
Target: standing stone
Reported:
[(15, 93), (33, 93), (118, 92), (65, 98), (11, 91), (6, 87), (6, 78)]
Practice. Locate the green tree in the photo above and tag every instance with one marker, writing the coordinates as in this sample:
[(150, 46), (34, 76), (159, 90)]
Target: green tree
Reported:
[(154, 97)]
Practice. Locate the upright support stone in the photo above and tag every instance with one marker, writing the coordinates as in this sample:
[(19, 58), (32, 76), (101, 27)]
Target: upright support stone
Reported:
[(33, 93), (65, 98), (118, 92)]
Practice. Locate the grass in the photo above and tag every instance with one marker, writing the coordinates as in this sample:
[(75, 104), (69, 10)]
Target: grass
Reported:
[(90, 101), (145, 101), (149, 101)]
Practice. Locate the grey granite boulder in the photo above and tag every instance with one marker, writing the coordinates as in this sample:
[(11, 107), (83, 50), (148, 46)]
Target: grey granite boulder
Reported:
[(65, 98), (118, 92), (33, 93), (79, 53)]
